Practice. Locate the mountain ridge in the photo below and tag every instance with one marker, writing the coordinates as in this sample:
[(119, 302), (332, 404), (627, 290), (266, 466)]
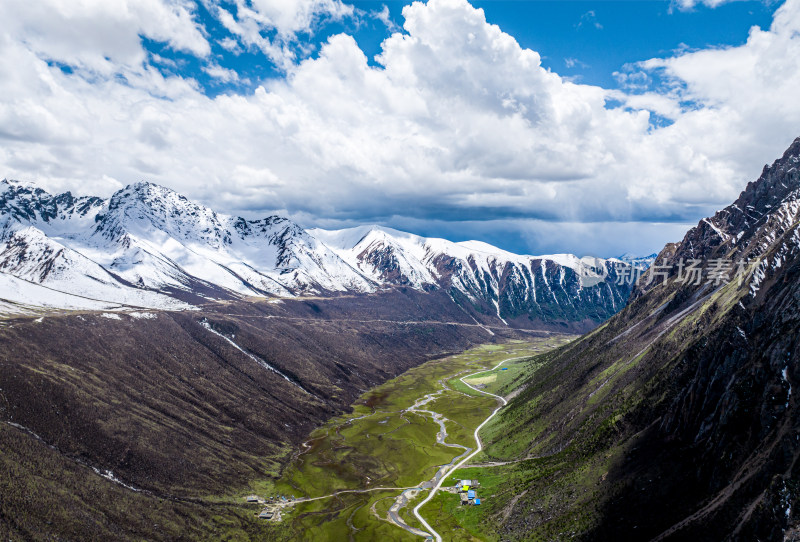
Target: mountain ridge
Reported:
[(677, 419), (148, 246)]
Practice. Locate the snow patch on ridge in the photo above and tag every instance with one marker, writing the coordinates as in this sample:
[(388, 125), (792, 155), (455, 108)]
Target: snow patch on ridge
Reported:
[(257, 359)]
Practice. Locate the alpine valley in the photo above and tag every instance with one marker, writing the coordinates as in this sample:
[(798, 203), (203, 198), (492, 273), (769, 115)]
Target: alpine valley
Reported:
[(162, 365), (157, 358), (677, 419)]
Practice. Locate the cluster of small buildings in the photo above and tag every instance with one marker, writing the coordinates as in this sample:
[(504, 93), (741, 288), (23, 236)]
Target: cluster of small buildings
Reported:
[(271, 505), (266, 513), (276, 499), (467, 491)]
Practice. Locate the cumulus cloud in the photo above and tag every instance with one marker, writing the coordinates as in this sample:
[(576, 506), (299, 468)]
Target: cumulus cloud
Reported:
[(101, 35), (456, 123), (745, 98), (230, 45), (224, 75), (383, 16)]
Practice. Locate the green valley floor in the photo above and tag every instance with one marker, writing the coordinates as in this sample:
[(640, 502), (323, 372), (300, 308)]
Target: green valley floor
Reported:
[(360, 476)]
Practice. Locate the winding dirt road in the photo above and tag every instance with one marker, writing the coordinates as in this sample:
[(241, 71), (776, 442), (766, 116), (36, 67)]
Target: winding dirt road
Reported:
[(435, 483), (479, 447)]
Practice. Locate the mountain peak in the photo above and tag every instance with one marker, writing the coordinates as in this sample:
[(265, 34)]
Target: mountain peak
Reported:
[(159, 201), (146, 190), (747, 229), (776, 183), (144, 208), (793, 150), (27, 186)]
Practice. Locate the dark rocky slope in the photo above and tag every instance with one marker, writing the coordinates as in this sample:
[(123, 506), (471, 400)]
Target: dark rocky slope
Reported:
[(182, 407), (677, 419)]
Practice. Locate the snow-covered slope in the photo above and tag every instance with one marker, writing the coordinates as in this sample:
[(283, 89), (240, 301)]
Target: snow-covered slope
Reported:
[(147, 241), (21, 297), (157, 238), (510, 285), (759, 233), (148, 246), (30, 255), (386, 256)]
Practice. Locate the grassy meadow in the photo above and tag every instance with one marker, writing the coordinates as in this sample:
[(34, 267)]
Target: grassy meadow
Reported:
[(381, 444)]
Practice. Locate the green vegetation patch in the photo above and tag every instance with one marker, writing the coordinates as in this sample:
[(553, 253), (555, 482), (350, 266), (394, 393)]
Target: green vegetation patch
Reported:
[(383, 444)]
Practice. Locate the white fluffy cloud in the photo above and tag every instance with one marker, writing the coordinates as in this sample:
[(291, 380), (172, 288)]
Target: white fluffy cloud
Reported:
[(747, 109), (458, 123), (100, 35), (289, 17)]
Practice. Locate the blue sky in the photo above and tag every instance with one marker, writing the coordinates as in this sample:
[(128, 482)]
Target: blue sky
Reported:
[(605, 36), (589, 41), (539, 126)]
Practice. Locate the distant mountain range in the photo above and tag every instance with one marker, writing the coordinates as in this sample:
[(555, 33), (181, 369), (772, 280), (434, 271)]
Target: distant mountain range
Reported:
[(150, 247)]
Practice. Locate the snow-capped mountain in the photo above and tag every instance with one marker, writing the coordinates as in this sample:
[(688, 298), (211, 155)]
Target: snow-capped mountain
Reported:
[(147, 241), (641, 262), (559, 286), (156, 238), (148, 246)]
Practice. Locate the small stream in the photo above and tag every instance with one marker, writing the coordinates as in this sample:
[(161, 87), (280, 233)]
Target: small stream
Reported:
[(402, 500)]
